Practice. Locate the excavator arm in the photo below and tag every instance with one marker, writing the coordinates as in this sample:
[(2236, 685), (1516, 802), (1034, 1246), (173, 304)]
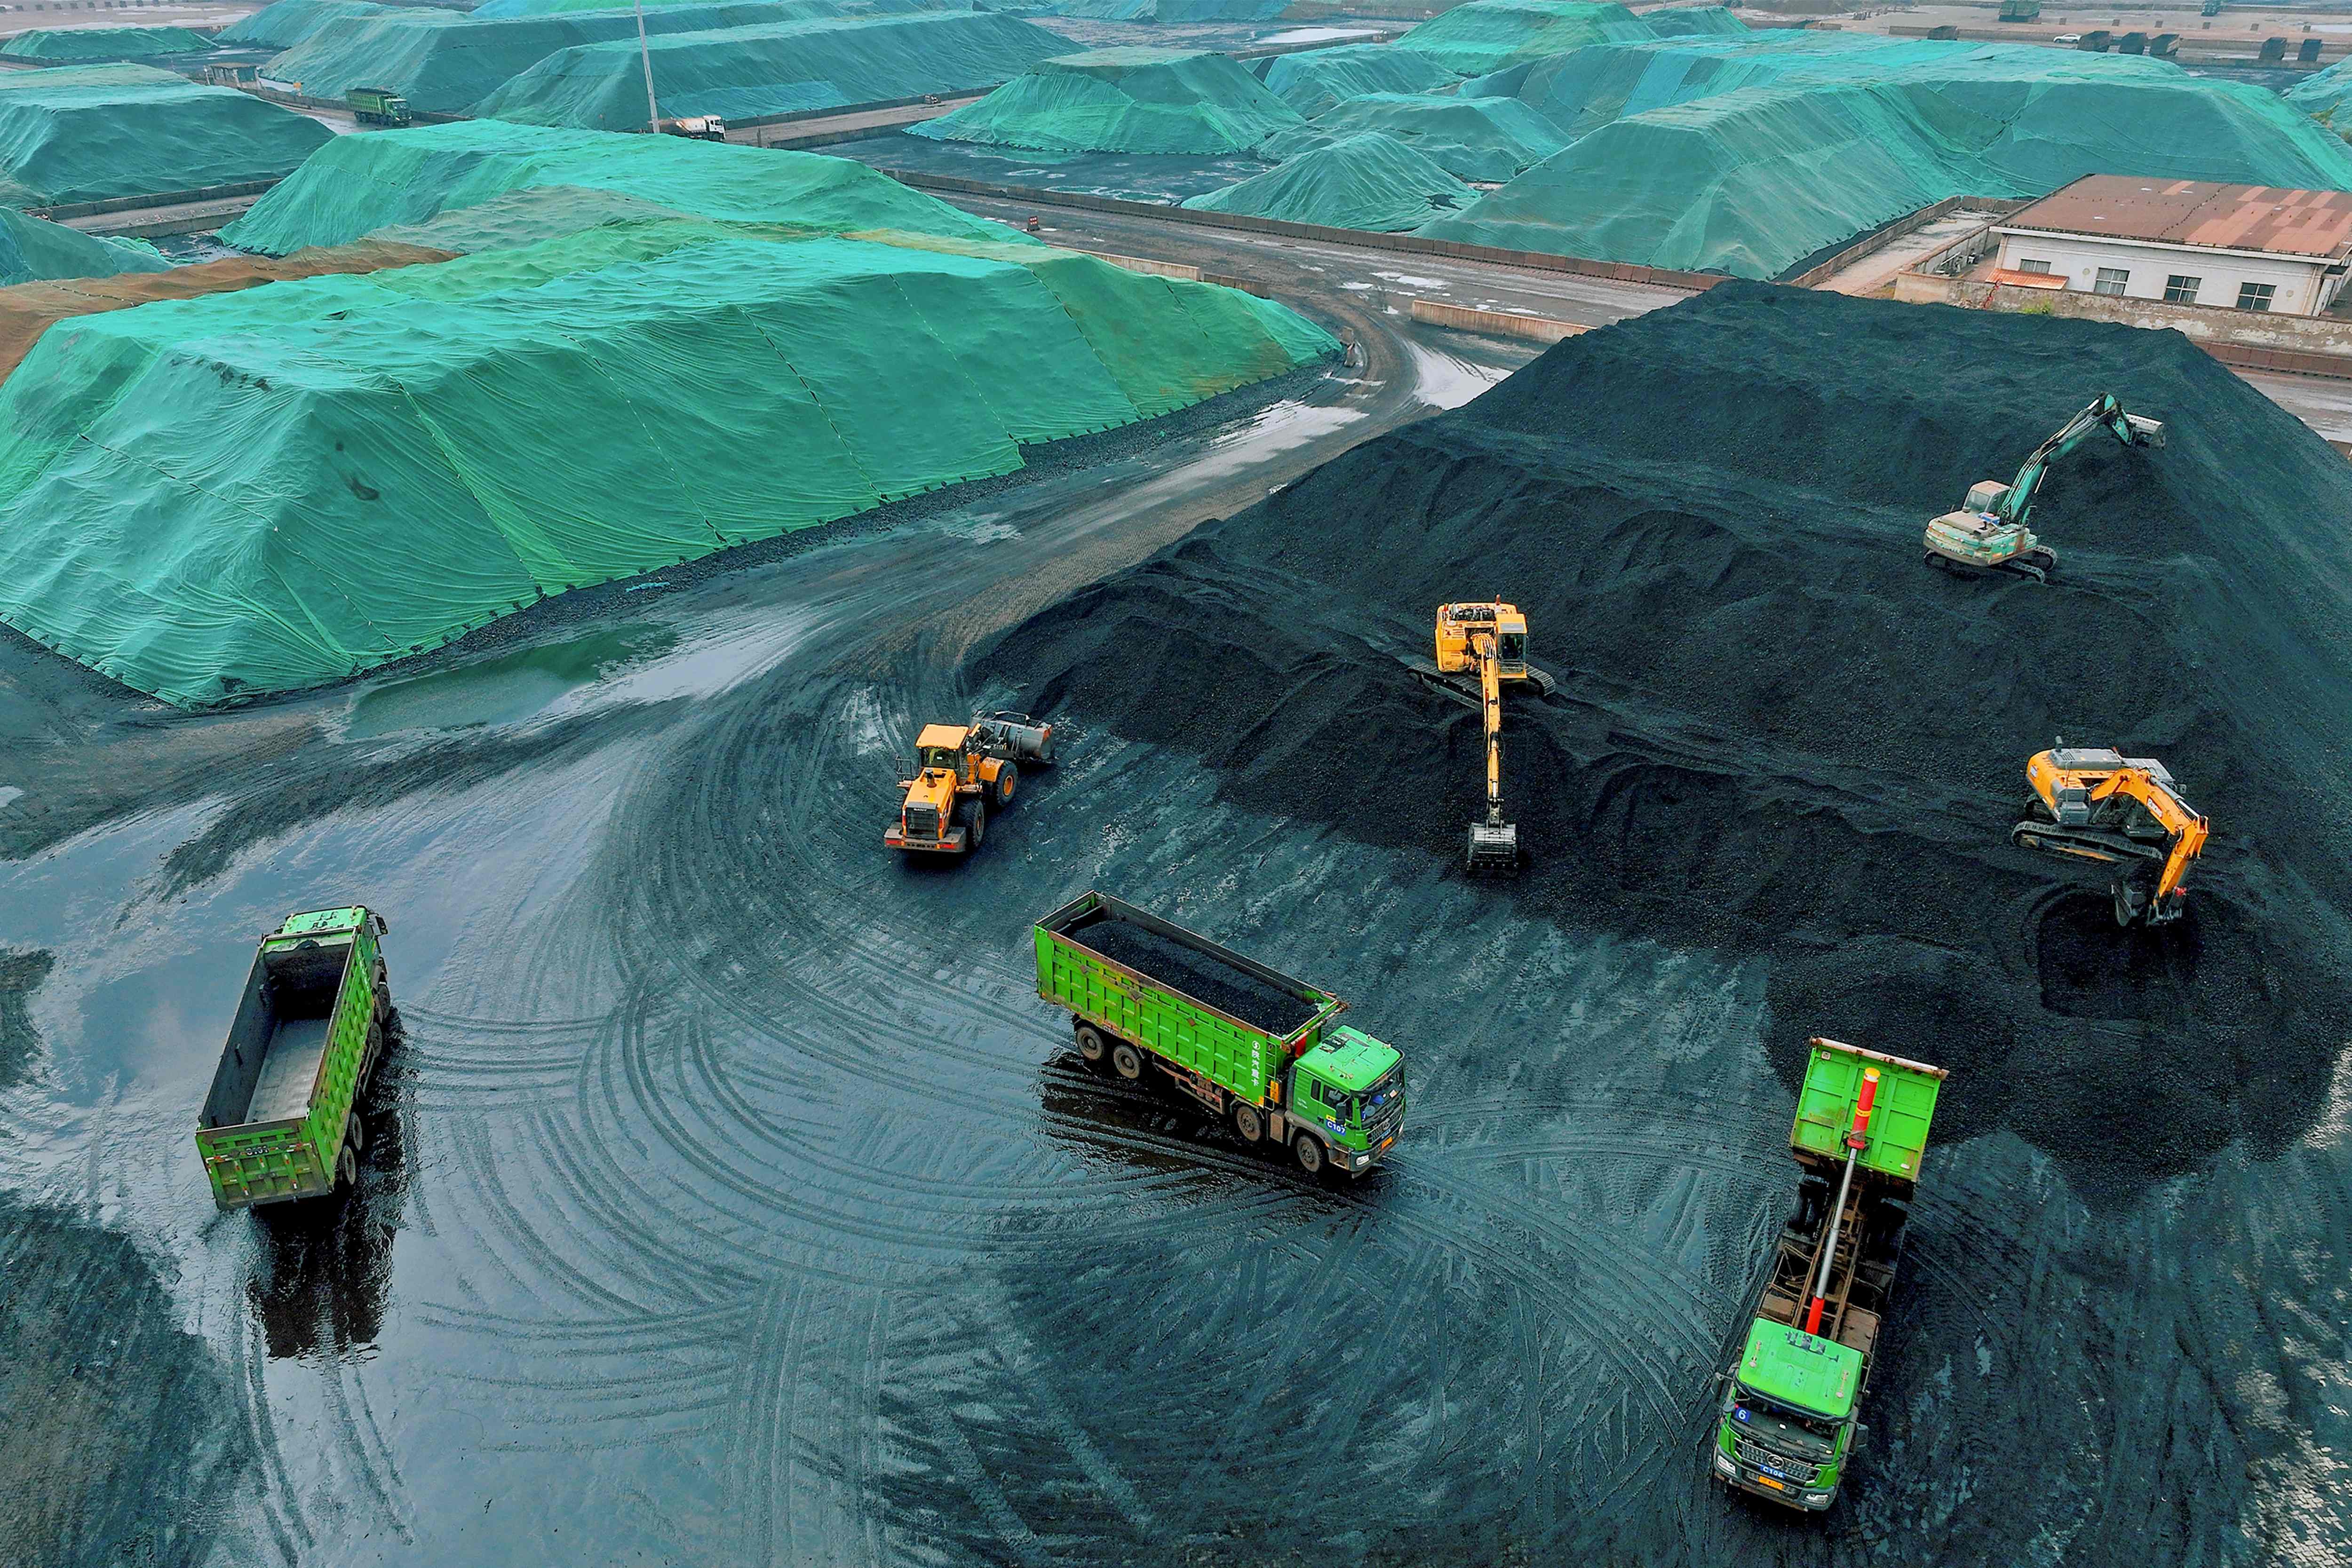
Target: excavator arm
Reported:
[(2184, 827), (1494, 843), (2106, 414)]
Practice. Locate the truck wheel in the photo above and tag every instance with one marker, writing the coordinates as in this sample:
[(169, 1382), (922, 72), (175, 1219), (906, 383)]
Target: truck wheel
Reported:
[(355, 1137), (974, 818), (1310, 1154), (1091, 1044), (347, 1169), (1249, 1122), (1001, 793), (1126, 1061)]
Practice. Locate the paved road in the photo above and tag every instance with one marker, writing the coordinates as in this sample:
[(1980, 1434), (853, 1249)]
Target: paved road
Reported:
[(1318, 269)]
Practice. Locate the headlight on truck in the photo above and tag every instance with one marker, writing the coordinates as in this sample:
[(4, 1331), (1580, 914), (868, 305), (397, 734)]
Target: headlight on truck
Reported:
[(1723, 1465), (1362, 1160)]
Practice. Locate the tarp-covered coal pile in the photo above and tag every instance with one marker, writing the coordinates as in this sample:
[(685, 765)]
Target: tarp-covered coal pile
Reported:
[(1777, 731), (790, 68)]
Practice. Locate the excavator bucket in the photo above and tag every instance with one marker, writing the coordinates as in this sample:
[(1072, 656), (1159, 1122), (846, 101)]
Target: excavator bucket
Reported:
[(1495, 847)]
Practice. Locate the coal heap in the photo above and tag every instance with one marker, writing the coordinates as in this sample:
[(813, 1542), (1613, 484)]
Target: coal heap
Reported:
[(1777, 732)]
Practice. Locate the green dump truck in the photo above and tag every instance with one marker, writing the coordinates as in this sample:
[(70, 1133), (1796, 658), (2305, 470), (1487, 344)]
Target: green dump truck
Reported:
[(1254, 1046), (377, 106), (1790, 1421), (281, 1122)]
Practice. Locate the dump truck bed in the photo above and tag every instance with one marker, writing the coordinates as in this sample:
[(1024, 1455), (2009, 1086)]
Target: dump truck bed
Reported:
[(274, 1125), (1172, 991), (1899, 1121)]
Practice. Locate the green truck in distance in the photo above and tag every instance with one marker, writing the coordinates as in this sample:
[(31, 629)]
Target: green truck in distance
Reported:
[(281, 1122), (377, 106), (1256, 1047), (1789, 1423)]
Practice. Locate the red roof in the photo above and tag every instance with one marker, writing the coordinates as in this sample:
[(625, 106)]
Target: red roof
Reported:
[(2317, 223), (2029, 279)]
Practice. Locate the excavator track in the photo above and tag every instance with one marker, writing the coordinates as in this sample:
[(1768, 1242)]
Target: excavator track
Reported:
[(1464, 689)]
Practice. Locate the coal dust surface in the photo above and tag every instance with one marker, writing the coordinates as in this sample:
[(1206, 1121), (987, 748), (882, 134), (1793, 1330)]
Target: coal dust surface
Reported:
[(1777, 732), (1231, 990)]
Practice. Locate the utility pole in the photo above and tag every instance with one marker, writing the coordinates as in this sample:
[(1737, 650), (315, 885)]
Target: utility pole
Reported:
[(645, 55)]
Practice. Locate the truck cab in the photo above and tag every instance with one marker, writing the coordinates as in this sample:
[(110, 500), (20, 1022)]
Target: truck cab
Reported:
[(1788, 1421), (1350, 1089)]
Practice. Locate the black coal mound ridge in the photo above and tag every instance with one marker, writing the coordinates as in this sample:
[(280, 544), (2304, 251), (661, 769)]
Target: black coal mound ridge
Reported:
[(1778, 731), (1228, 990)]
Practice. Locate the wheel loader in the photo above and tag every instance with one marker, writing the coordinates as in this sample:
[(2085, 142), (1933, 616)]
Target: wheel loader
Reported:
[(1479, 648), (2097, 804), (1989, 534), (963, 774)]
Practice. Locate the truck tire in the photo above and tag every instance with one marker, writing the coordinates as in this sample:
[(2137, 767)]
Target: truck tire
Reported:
[(355, 1136), (1311, 1157), (1000, 794), (347, 1169), (1249, 1122), (972, 817), (1126, 1061), (1091, 1044)]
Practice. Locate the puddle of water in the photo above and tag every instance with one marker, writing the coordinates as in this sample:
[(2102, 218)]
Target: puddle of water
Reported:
[(1410, 281), (1441, 381), (503, 689)]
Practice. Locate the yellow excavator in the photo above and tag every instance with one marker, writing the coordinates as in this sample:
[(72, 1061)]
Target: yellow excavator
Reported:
[(1480, 647), (2097, 804)]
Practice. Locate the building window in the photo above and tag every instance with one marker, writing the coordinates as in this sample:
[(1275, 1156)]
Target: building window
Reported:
[(2027, 263), (2111, 280), (2255, 296), (2179, 290)]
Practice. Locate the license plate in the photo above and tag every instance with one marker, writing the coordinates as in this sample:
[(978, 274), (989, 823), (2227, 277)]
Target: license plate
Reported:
[(1768, 1481)]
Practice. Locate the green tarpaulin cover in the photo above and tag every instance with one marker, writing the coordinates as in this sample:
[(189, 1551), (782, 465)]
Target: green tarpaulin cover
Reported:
[(102, 43), (34, 251), (1362, 182), (282, 24), (1488, 139), (94, 133), (258, 491), (1842, 136), (1489, 35), (742, 73), (1123, 100), (2323, 94), (445, 62), (1314, 79), (1167, 11), (364, 182)]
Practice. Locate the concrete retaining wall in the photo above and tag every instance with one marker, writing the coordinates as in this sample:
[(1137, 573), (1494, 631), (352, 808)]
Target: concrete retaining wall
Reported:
[(1500, 323), (2305, 345), (1183, 270)]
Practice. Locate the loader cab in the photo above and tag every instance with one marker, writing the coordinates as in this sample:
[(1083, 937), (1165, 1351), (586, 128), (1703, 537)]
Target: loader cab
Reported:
[(940, 748)]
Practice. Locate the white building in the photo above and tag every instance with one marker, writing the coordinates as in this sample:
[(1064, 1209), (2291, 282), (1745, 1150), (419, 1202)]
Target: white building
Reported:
[(2184, 242)]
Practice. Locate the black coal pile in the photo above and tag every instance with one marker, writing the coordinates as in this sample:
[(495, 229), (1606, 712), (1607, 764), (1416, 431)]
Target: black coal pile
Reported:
[(1234, 992), (1777, 731)]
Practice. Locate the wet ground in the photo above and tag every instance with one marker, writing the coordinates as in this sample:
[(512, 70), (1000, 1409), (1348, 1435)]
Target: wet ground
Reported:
[(732, 1198)]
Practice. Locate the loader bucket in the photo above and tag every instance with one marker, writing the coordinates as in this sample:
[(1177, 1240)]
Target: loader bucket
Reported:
[(1495, 847)]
